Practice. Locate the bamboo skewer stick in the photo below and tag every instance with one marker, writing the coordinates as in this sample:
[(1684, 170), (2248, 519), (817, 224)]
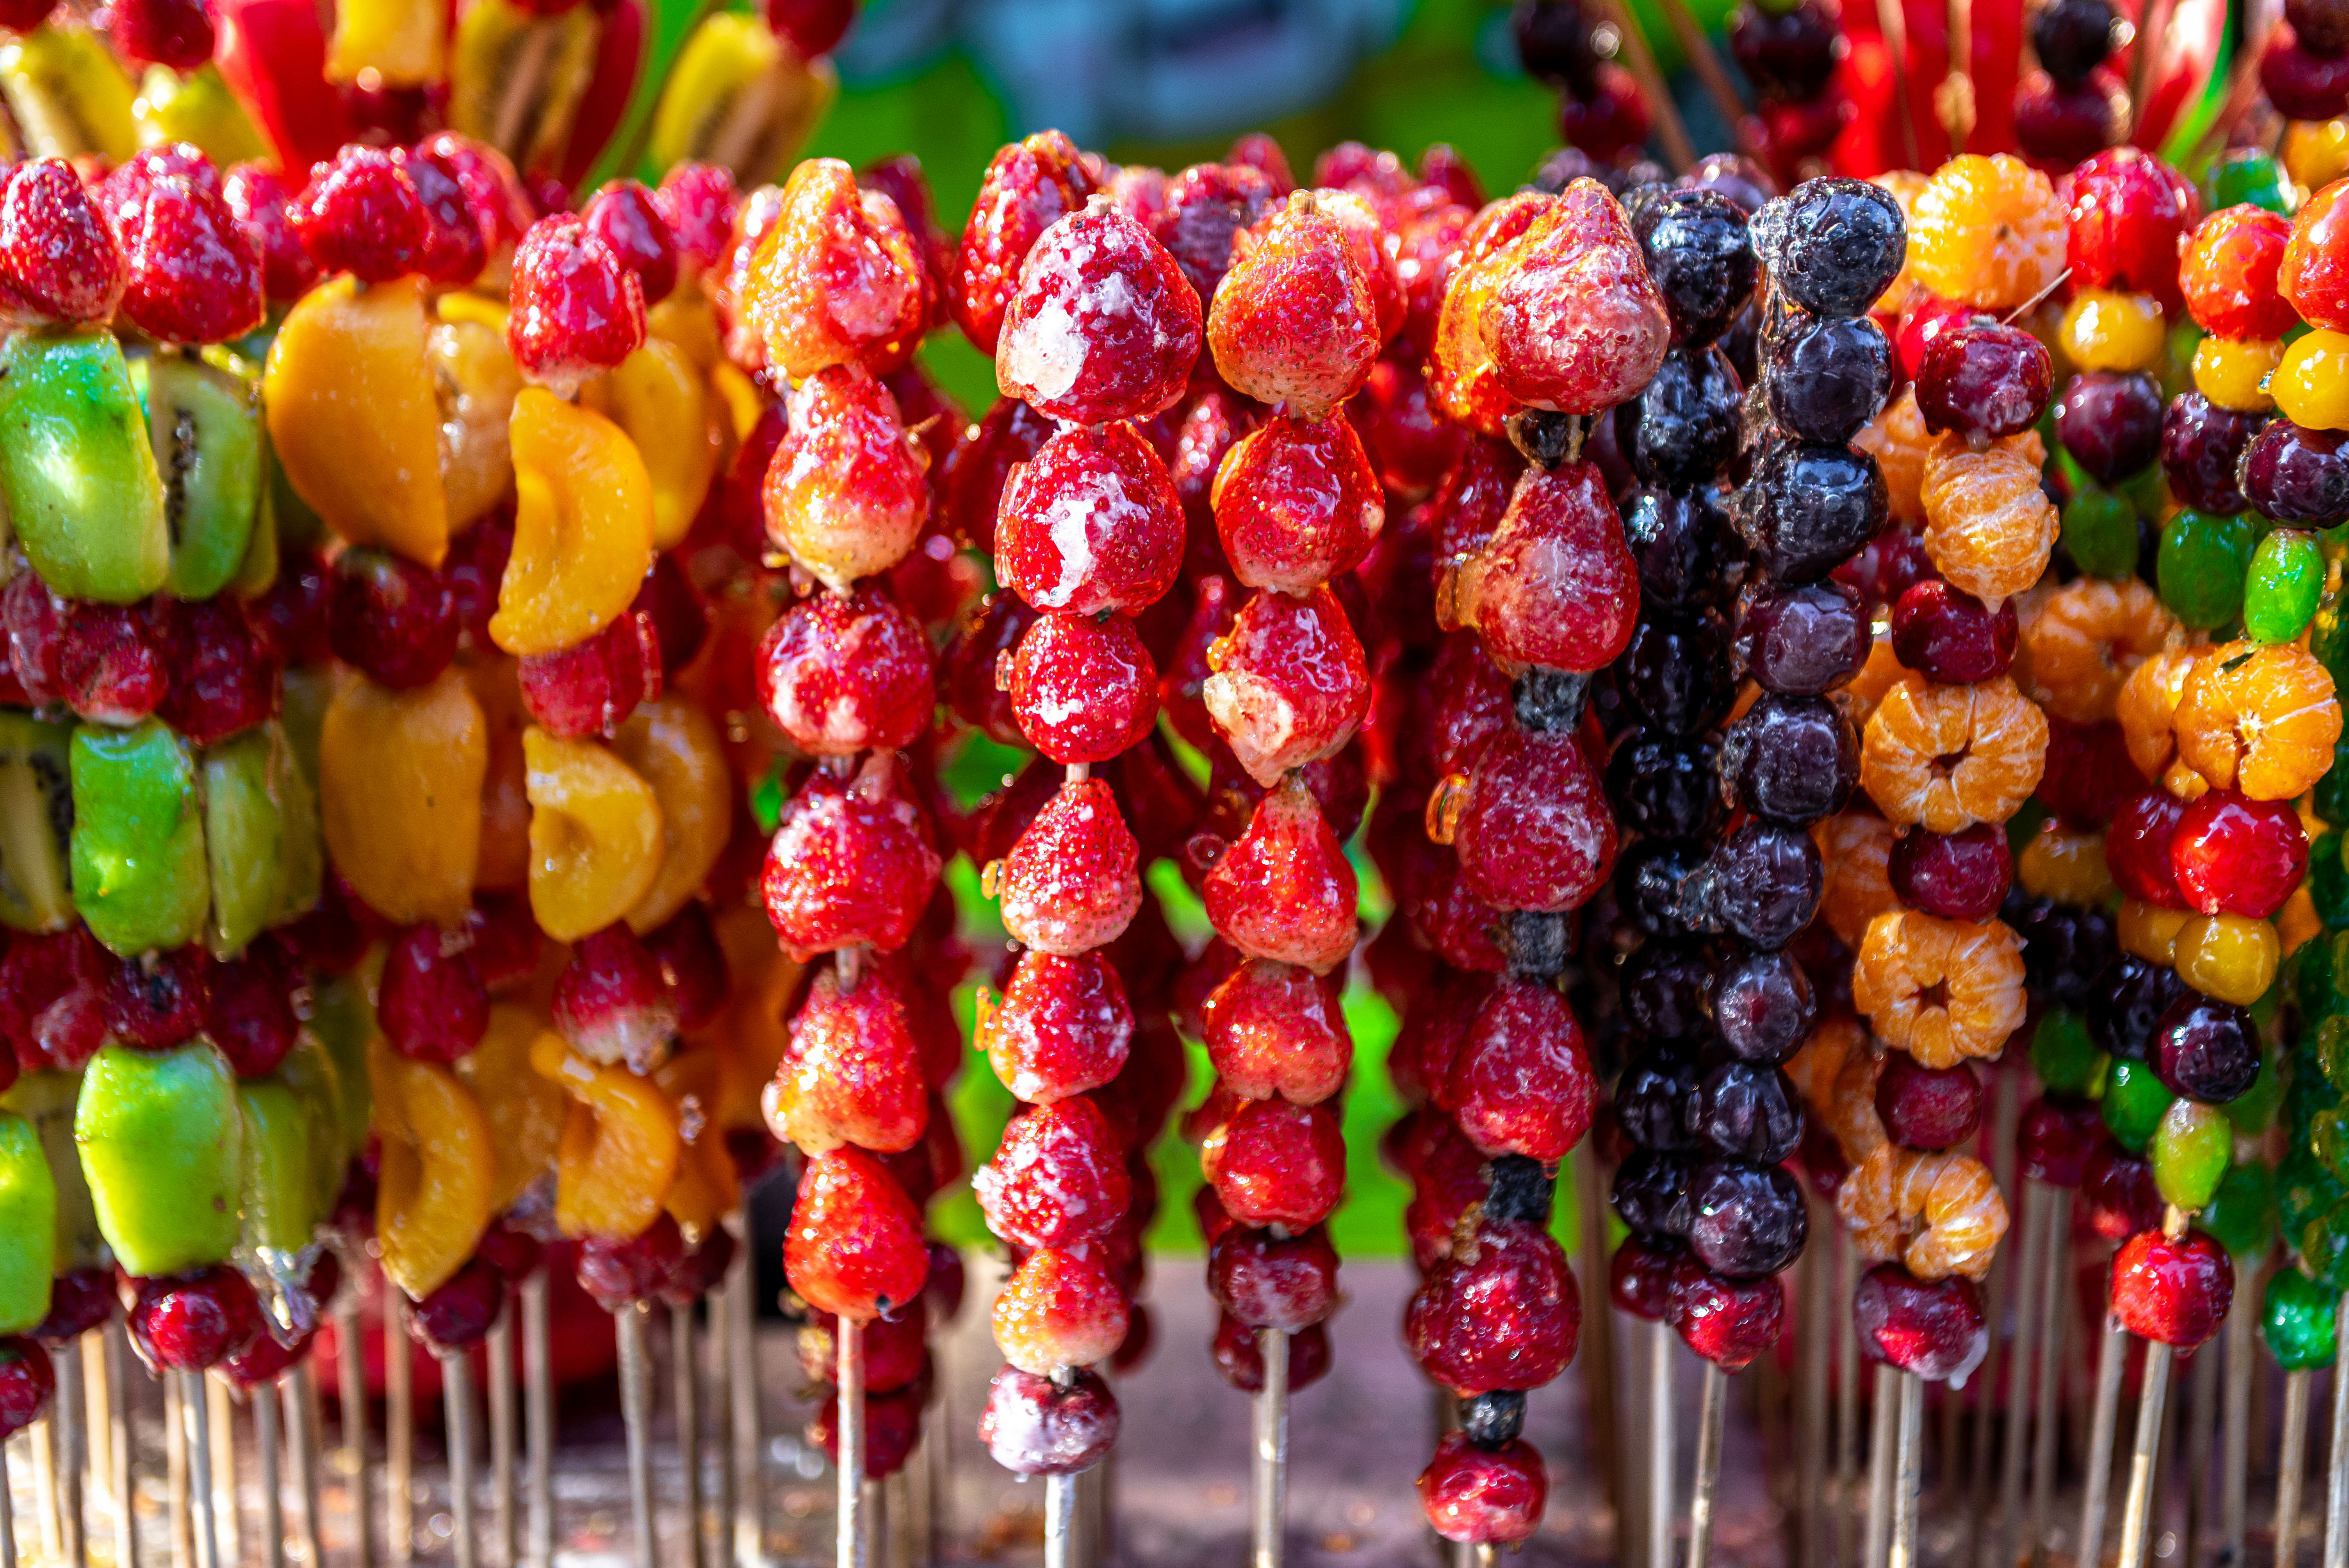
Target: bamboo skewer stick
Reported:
[(1907, 1467), (2102, 1423), (2292, 1466), (399, 1427), (2038, 1205), (1711, 1407), (1269, 1514), (505, 1523), (297, 1389), (2235, 1428), (1877, 1552), (636, 1416), (1660, 1445), (464, 1444), (350, 1365), (2047, 1399), (685, 1397), (2136, 1513), (538, 1416), (853, 1547), (263, 1399), (71, 1422)]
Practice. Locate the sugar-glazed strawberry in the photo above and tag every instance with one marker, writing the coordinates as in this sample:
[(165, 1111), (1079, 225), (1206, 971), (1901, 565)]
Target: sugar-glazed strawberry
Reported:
[(1286, 891), (836, 279), (1289, 683), (1572, 320), (59, 261), (1297, 503), (1102, 325), (1293, 322), (852, 1072), (576, 311), (1089, 523), (362, 215), (1070, 884), (1556, 584), (851, 862)]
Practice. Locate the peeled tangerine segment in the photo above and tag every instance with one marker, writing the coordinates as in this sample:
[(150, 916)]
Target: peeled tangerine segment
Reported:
[(525, 1110), (664, 403), (596, 837), (163, 1148), (439, 1169), (35, 823), (675, 747), (582, 527), (618, 1153), (399, 774), (76, 469), (139, 876), (28, 1226), (353, 420)]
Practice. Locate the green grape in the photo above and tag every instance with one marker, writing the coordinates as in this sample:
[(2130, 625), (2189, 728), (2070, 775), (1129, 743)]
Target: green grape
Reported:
[(2304, 1188), (2252, 1111), (2332, 1051), (2241, 1214), (2249, 174), (2066, 1062), (2296, 1320), (2328, 880), (2100, 531), (2285, 581), (2200, 567), (2192, 1146), (2328, 1135), (2135, 1101), (2324, 1246), (2147, 491), (2332, 793)]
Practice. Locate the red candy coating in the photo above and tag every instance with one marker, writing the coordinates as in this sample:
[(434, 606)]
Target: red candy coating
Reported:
[(1100, 325)]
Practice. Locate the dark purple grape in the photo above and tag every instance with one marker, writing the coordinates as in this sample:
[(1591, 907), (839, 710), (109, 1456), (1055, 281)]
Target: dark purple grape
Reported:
[(1651, 1193), (1747, 1112), (2072, 37), (1681, 431), (2201, 448), (1949, 636), (1687, 550), (1652, 1098), (1733, 175), (1745, 1221), (2303, 84), (1742, 343), (1788, 55), (2291, 474), (1699, 256), (1763, 1006), (2064, 949), (1804, 641), (1648, 878), (1791, 759), (1554, 44), (1963, 875), (2069, 122), (1761, 885), (2321, 25), (2206, 1049), (1809, 508), (1663, 785), (2111, 423), (1834, 244), (1984, 378), (2127, 1002), (1928, 1107), (1674, 674), (1665, 989), (1825, 377)]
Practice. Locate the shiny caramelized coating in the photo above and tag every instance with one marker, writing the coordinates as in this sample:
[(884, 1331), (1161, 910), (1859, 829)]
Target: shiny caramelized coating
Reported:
[(851, 862), (1061, 1026), (1367, 235), (845, 672), (675, 747), (1277, 1029), (1989, 526), (1988, 231), (1294, 323), (1944, 991), (1286, 891), (2261, 718), (1953, 1194), (583, 535), (1556, 585), (854, 1246), (1521, 1082), (1030, 186), (1089, 523), (1903, 448), (596, 835), (1297, 502), (1070, 884), (1061, 1307), (1103, 325), (1274, 1164), (1082, 690), (1945, 757), (837, 278), (1570, 317), (1856, 847), (2147, 708), (1289, 683), (848, 490), (618, 1153), (1463, 381), (439, 1164), (2084, 639), (1056, 1180), (399, 787), (1536, 830), (852, 1072)]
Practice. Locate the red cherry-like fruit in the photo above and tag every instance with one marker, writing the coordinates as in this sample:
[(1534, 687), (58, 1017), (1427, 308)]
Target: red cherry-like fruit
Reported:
[(59, 259), (2175, 1292), (193, 1322), (1483, 1495), (362, 215), (1935, 1330), (577, 309)]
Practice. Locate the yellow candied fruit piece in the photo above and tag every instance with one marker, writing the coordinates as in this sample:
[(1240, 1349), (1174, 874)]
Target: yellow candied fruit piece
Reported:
[(399, 795), (2232, 957), (2065, 864), (439, 1171), (706, 1188), (2232, 372), (596, 835), (675, 747), (663, 401), (526, 1111), (2316, 151), (2106, 330), (2148, 931), (617, 1156), (583, 526), (2312, 384)]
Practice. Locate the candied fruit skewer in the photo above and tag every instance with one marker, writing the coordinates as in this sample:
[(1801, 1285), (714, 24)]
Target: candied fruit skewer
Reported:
[(1094, 327)]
